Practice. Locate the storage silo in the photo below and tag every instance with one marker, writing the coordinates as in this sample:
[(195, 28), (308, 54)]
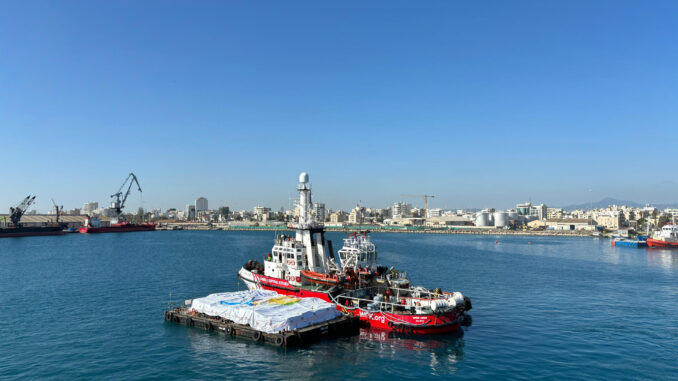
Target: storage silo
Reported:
[(483, 219), (500, 219)]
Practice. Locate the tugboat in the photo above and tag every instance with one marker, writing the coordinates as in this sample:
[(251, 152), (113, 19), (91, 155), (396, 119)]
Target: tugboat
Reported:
[(382, 298), (19, 230), (118, 223), (667, 237)]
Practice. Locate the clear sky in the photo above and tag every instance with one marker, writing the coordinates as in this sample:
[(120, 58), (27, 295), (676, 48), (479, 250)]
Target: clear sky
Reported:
[(481, 103)]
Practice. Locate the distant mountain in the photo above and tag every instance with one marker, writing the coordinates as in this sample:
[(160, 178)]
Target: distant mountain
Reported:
[(607, 201)]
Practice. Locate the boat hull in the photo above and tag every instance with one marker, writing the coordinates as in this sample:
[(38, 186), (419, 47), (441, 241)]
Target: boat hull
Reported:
[(117, 228), (626, 243), (406, 323), (659, 243), (31, 231)]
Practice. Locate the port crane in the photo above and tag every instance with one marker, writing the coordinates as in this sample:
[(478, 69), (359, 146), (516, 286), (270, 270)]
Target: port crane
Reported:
[(425, 197), (58, 210), (118, 204), (16, 212)]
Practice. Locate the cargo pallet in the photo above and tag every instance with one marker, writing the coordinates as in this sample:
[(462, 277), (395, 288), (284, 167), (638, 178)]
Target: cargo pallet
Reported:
[(341, 326)]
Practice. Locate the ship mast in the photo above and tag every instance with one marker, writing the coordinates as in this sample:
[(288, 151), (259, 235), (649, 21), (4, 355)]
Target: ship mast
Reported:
[(310, 232)]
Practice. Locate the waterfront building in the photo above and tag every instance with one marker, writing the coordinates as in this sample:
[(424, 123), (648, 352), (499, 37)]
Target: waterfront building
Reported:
[(554, 213), (401, 210), (612, 219), (319, 212), (357, 215), (261, 212), (89, 207), (564, 224), (437, 212), (524, 209), (201, 204), (539, 211), (338, 216), (190, 212)]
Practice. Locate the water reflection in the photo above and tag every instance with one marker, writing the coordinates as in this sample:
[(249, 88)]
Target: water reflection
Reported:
[(665, 258), (445, 351), (440, 353)]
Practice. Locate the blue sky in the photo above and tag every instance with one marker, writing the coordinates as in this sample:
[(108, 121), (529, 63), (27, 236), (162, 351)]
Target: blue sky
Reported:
[(483, 103)]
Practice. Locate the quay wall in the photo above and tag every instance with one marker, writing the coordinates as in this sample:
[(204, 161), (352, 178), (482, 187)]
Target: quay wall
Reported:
[(377, 229)]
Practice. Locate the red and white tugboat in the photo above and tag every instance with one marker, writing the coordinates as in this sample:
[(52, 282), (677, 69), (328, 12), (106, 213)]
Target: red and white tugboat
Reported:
[(381, 298), (667, 237)]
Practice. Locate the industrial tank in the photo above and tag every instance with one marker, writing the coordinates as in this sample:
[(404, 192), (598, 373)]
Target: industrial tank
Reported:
[(500, 219), (483, 219)]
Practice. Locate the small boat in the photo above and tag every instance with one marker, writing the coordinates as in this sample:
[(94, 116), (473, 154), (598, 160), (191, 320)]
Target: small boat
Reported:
[(321, 278), (628, 242)]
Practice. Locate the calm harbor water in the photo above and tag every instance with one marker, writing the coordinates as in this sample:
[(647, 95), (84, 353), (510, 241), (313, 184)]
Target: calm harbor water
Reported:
[(91, 306)]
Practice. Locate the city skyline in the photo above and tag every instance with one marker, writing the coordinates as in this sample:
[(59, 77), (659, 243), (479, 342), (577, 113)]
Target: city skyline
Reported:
[(479, 105)]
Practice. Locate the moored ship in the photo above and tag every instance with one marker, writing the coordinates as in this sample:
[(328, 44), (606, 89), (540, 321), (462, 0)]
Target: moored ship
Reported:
[(666, 237), (118, 223), (305, 266), (17, 229)]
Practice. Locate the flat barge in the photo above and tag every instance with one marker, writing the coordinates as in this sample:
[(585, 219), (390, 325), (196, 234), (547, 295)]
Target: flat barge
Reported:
[(339, 327)]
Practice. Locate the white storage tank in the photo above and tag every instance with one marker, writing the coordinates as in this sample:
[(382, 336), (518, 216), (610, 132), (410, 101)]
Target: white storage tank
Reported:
[(483, 219), (500, 219)]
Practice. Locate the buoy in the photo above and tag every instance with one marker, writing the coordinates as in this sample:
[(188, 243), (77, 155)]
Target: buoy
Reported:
[(496, 242)]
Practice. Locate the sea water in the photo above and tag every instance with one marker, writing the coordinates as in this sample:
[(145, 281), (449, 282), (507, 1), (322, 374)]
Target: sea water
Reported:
[(91, 306)]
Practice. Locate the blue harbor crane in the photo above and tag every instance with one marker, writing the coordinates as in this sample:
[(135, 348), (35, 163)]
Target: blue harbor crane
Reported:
[(118, 205), (15, 213)]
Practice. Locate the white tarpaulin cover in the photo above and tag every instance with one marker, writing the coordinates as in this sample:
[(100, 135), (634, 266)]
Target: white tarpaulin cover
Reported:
[(265, 310)]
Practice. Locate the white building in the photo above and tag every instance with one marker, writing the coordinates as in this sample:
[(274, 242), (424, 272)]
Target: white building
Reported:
[(261, 212), (201, 204), (89, 207), (437, 212), (400, 210)]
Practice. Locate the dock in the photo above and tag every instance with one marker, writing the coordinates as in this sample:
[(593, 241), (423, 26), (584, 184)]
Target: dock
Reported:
[(339, 327)]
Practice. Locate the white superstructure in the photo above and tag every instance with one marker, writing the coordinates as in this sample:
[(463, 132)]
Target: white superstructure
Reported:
[(306, 250)]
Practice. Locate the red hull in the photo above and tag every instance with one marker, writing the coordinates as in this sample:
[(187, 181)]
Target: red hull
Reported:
[(118, 228), (657, 243), (410, 324)]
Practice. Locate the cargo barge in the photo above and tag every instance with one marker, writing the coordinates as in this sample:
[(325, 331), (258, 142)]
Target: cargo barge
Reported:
[(17, 229), (339, 327), (265, 316), (628, 243)]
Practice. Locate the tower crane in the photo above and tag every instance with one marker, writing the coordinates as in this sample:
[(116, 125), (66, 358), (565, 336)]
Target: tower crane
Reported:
[(58, 210), (15, 213), (425, 197), (118, 204)]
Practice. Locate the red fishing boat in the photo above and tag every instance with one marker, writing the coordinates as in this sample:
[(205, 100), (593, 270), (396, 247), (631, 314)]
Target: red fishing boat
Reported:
[(305, 266)]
